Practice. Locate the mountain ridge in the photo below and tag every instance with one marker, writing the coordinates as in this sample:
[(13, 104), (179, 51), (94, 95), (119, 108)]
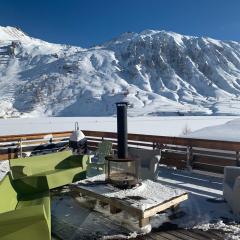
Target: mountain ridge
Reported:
[(158, 72)]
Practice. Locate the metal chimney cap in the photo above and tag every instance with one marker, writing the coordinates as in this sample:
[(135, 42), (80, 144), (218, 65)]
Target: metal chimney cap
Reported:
[(122, 103)]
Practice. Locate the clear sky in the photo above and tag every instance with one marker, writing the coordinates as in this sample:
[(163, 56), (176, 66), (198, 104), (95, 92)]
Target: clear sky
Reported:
[(89, 22)]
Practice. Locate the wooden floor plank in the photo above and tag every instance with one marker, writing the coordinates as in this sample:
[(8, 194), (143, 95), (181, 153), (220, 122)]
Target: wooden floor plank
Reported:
[(145, 237), (207, 234), (191, 234), (218, 236), (183, 234), (180, 235), (155, 236), (168, 235), (217, 233)]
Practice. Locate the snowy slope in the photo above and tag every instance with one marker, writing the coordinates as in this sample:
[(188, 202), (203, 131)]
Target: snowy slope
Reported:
[(158, 72), (229, 131)]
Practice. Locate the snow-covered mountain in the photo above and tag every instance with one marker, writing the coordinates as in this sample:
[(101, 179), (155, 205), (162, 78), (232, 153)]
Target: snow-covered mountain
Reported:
[(158, 72)]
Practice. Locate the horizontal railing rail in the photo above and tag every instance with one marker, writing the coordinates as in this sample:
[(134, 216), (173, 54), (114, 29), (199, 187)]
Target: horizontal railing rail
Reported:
[(201, 154)]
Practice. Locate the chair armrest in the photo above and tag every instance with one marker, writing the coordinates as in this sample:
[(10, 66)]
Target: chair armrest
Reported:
[(20, 171), (154, 164), (30, 185), (237, 184), (85, 161), (157, 158), (231, 173)]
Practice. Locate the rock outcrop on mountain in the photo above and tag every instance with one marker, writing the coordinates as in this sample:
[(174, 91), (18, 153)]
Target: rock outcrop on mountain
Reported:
[(158, 72)]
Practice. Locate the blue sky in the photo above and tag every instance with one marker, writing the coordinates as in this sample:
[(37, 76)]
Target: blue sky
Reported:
[(89, 22)]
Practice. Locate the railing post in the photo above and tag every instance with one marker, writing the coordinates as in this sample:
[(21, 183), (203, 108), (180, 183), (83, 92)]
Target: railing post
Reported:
[(9, 153), (189, 158), (237, 159), (20, 148)]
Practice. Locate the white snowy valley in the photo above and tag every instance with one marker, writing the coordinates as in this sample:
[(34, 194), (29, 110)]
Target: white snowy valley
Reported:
[(160, 73)]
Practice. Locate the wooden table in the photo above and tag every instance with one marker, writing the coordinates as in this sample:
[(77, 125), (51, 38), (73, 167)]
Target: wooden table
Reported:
[(143, 201)]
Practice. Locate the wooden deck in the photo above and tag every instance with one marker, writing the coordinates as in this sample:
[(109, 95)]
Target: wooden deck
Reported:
[(168, 230), (178, 234), (182, 234), (86, 230)]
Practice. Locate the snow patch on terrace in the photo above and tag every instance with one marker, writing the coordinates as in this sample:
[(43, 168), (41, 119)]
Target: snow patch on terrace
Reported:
[(232, 231), (4, 168), (205, 207)]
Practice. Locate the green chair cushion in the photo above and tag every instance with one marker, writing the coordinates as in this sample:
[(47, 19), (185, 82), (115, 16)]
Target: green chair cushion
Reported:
[(67, 171), (48, 180), (23, 217), (38, 164), (8, 195), (25, 223)]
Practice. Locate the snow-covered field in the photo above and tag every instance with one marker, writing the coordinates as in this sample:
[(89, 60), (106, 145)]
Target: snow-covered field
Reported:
[(228, 131), (169, 126)]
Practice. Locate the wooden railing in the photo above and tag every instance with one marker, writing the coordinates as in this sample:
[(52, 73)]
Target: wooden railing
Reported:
[(206, 155)]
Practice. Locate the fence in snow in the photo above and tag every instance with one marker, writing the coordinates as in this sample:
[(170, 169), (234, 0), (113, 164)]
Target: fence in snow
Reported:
[(200, 154)]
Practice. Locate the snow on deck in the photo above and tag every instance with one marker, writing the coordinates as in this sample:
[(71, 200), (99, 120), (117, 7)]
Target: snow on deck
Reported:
[(205, 208), (4, 168), (147, 193)]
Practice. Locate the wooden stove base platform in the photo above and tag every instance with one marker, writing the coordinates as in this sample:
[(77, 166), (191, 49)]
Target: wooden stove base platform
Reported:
[(137, 206)]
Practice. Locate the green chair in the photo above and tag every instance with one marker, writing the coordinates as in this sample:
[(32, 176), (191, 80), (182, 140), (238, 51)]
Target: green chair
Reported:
[(97, 163), (44, 172), (23, 217)]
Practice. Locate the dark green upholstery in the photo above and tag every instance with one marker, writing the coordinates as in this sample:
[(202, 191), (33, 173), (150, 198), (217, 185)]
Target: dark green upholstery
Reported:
[(23, 217), (40, 173)]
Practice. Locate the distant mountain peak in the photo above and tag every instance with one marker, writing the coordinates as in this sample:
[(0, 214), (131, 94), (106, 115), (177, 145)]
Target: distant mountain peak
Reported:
[(9, 33), (158, 72)]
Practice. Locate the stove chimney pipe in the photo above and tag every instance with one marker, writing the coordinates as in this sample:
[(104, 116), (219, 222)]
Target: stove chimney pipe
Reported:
[(122, 129)]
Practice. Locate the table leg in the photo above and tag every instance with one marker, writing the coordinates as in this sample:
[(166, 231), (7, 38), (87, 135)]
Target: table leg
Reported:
[(143, 222)]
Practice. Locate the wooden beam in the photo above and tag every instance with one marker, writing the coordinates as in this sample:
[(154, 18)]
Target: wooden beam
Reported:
[(163, 206), (200, 143), (208, 167), (189, 157), (193, 142), (237, 158), (143, 222), (214, 160), (12, 138)]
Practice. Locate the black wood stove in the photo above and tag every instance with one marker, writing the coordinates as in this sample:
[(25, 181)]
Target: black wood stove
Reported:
[(122, 171)]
